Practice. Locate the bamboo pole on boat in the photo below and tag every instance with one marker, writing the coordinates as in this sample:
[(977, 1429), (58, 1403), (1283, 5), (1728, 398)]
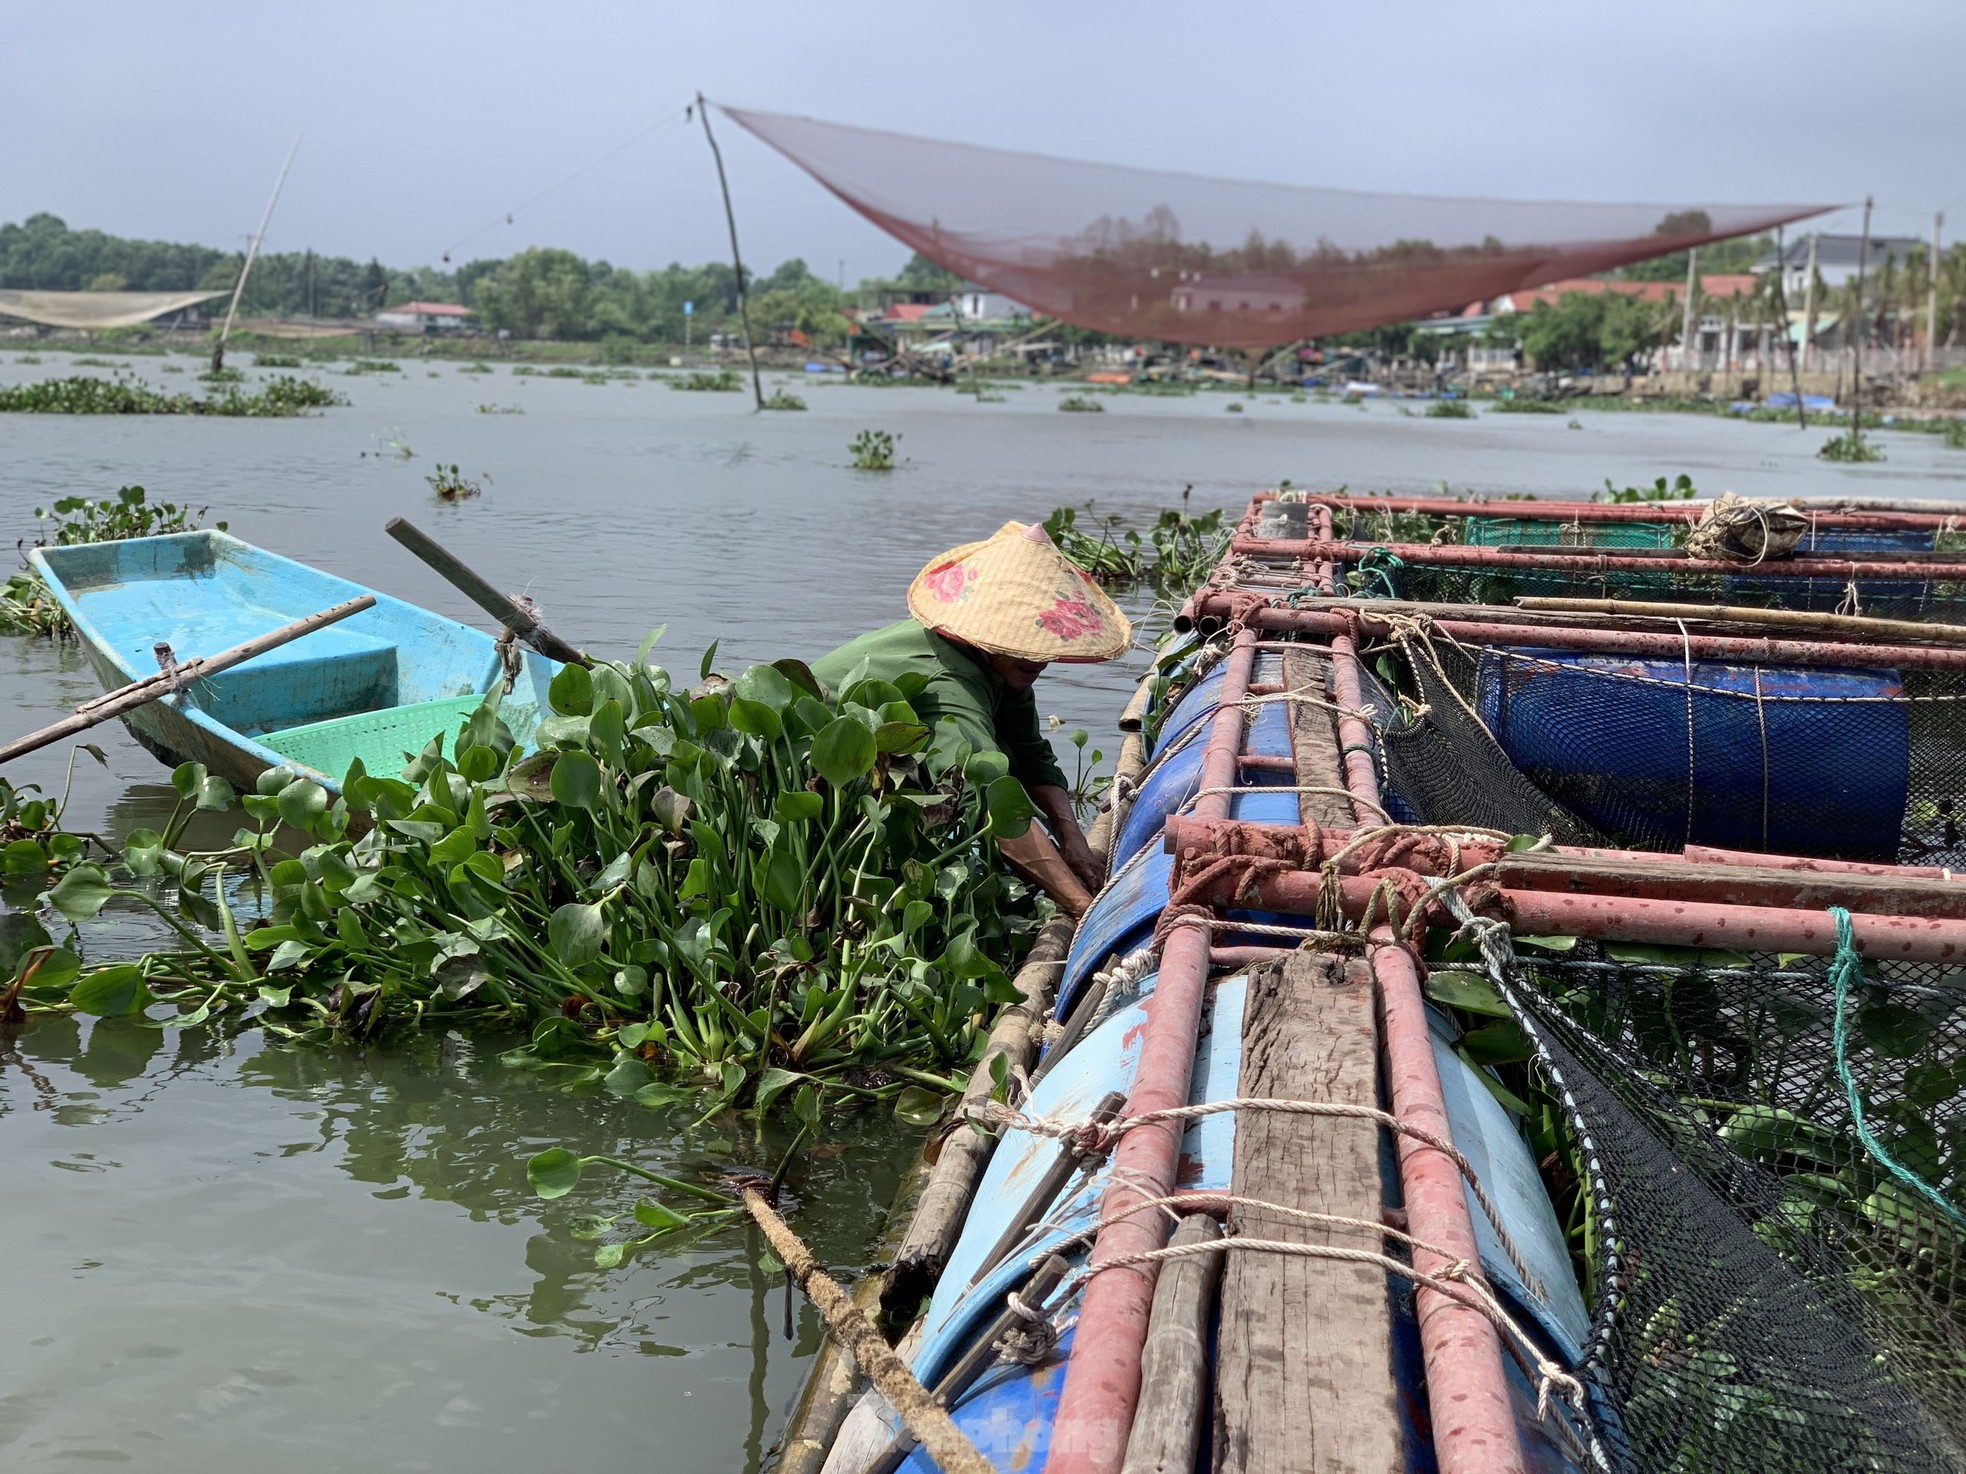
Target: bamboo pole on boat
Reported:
[(1174, 1369), (507, 611), (1855, 626), (167, 682), (924, 1417), (1839, 514), (1623, 560)]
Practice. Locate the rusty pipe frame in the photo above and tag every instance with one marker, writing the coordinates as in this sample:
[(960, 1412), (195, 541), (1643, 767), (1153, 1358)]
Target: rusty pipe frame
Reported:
[(1453, 555), (1875, 520), (1783, 882), (1622, 918), (1733, 649), (1474, 1428), (1102, 1379)]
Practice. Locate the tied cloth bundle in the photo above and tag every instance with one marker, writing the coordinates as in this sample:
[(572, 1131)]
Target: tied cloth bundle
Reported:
[(1739, 529)]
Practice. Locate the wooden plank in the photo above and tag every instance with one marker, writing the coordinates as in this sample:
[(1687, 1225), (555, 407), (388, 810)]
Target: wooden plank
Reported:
[(1314, 742), (1174, 1368), (1304, 1381)]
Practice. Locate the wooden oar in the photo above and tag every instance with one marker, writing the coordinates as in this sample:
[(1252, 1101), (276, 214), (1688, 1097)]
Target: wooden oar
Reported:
[(176, 677), (508, 612)]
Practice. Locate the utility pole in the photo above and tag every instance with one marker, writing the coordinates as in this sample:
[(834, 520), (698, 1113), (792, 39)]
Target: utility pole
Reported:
[(1782, 312), (239, 287), (730, 216), (1932, 296), (1857, 329), (1809, 305), (1686, 359)]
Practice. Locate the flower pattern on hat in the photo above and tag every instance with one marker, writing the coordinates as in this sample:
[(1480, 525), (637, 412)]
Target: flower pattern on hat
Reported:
[(950, 583), (1071, 617)]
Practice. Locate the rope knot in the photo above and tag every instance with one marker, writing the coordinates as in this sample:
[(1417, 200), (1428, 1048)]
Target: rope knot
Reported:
[(1034, 1340)]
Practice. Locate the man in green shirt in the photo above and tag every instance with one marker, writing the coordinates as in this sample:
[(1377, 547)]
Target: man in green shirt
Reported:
[(988, 617)]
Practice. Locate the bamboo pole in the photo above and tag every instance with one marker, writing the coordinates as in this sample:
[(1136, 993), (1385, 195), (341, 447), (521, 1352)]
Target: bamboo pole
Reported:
[(922, 1415), (1174, 1368), (164, 683), (730, 218), (1855, 626), (506, 611), (1782, 307), (252, 253)]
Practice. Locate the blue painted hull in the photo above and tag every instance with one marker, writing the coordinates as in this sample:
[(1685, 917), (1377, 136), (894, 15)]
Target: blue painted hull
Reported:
[(203, 592)]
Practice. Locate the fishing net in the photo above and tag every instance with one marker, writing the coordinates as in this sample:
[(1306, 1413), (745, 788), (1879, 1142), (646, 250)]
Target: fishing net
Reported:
[(1188, 259), (90, 310), (1844, 764), (1765, 1161)]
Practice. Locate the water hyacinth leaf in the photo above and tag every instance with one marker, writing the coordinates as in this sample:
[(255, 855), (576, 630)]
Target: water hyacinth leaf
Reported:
[(711, 713), (767, 686), (775, 1082), (843, 750), (800, 675), (609, 1256), (649, 642), (628, 1076), (1467, 991), (805, 1108), (709, 661), (1895, 1030), (196, 786), (1499, 1043), (919, 1106), (554, 1172), (286, 955), (796, 806), (455, 847), (302, 802), (479, 763), (53, 969), (572, 691), (891, 737), (755, 719), (781, 879), (576, 933), (20, 934), (80, 893), (274, 997), (1011, 810), (986, 767), (577, 779), (590, 1226), (810, 714), (654, 1215), (23, 857), (111, 992), (606, 728)]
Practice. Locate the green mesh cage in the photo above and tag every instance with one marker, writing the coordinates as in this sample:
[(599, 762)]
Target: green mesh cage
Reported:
[(1496, 532)]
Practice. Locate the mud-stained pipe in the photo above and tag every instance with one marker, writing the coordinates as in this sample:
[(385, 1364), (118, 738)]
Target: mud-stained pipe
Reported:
[(1102, 1379), (1456, 555), (1829, 515)]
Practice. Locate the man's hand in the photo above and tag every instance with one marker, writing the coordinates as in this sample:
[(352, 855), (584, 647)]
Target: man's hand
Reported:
[(1072, 848)]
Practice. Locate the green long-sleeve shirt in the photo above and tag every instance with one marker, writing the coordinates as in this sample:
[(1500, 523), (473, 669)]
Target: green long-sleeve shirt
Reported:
[(961, 690)]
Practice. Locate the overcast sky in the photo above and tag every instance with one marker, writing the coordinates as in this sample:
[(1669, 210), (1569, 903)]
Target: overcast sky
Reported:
[(426, 123)]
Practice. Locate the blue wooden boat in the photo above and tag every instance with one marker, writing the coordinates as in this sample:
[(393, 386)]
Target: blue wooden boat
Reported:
[(377, 686)]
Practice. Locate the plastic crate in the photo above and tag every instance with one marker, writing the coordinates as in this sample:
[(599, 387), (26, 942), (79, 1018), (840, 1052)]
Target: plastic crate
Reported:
[(384, 739)]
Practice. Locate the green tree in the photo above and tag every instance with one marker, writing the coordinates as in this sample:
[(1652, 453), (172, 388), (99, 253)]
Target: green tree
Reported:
[(543, 292), (1587, 330)]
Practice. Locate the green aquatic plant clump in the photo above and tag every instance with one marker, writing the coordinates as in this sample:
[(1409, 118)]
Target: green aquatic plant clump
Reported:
[(26, 604), (784, 399), (734, 888), (1449, 409), (873, 450), (281, 398), (1081, 404), (1176, 554), (724, 381), (1851, 447)]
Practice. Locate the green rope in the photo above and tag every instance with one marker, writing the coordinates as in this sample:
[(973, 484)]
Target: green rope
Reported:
[(1845, 970), (1379, 564)]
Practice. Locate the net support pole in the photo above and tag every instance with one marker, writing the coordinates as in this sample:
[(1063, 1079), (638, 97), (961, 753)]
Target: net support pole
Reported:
[(1467, 1387), (1453, 555), (1102, 1380), (737, 260), (252, 254)]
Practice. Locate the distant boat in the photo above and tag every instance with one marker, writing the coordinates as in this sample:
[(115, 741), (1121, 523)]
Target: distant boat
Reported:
[(377, 686)]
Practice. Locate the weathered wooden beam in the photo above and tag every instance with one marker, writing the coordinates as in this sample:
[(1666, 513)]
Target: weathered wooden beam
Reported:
[(1314, 742), (1304, 1379)]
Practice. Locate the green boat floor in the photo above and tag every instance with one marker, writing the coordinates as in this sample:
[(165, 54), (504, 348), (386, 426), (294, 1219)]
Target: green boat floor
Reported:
[(384, 740)]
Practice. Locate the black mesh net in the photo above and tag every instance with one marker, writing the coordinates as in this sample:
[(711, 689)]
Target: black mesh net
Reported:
[(1773, 1293)]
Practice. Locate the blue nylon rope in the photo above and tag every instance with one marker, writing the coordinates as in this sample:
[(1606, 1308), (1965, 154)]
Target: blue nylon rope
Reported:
[(1845, 970)]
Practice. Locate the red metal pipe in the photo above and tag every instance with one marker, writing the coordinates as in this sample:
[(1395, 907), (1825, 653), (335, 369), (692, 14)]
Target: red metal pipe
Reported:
[(1450, 555), (1781, 881), (1233, 959), (1102, 1379), (1629, 918), (1881, 521), (1706, 854), (1734, 649), (1467, 1389), (1474, 1428)]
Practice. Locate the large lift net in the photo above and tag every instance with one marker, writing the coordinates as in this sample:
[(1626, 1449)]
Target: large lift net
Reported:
[(1189, 259)]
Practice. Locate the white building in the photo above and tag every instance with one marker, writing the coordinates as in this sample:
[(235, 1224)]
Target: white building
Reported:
[(424, 317)]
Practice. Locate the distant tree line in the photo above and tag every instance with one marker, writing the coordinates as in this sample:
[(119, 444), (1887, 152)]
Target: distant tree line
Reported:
[(541, 292)]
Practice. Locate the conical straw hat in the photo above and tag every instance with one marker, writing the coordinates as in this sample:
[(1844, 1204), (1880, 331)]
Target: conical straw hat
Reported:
[(1015, 594)]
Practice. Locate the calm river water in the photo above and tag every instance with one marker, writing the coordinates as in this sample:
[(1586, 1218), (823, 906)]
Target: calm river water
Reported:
[(223, 1256)]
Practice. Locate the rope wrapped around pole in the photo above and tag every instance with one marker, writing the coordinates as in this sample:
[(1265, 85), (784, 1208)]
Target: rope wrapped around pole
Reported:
[(920, 1413)]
